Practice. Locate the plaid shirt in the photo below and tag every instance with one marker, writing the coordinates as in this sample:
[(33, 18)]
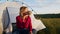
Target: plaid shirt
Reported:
[(26, 24)]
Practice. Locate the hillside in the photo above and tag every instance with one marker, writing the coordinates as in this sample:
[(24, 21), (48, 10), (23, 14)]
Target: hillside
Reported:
[(47, 15)]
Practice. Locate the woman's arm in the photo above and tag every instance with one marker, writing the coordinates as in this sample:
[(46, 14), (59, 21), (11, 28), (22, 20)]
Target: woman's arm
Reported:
[(17, 21), (30, 25)]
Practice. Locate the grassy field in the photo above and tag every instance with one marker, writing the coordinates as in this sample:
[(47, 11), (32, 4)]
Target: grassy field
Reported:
[(52, 26)]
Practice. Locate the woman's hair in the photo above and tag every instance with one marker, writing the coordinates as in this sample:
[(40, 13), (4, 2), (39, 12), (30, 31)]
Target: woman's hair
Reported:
[(29, 12), (22, 9)]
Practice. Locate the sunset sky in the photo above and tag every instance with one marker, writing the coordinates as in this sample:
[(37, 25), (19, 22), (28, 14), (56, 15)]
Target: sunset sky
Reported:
[(43, 6)]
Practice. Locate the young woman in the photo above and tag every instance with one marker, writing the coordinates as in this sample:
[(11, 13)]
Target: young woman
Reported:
[(23, 21)]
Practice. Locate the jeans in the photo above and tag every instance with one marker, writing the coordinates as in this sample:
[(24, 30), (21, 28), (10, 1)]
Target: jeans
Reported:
[(23, 31)]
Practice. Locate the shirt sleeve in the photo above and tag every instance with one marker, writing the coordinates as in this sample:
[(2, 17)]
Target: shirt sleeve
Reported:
[(30, 24), (17, 21)]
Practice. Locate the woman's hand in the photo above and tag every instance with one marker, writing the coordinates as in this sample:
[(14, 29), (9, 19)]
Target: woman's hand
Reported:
[(30, 32), (24, 17)]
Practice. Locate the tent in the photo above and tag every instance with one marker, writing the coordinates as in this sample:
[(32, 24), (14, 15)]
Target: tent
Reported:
[(9, 14)]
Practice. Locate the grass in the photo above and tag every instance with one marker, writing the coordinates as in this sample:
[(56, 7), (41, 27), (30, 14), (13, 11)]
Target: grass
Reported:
[(52, 26)]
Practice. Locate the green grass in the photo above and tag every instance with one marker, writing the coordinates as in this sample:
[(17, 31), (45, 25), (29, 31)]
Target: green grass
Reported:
[(52, 26)]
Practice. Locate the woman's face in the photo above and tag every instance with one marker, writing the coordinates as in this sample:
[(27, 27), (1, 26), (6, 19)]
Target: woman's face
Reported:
[(24, 11)]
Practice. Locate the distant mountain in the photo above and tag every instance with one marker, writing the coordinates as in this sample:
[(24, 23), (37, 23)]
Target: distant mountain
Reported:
[(47, 15)]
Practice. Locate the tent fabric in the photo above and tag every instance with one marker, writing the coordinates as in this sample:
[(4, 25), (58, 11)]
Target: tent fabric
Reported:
[(3, 15), (7, 26), (36, 24)]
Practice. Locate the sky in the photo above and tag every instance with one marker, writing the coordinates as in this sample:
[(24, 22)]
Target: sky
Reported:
[(43, 6)]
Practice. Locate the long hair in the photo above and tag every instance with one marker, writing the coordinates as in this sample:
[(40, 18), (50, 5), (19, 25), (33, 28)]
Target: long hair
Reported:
[(29, 12), (22, 9)]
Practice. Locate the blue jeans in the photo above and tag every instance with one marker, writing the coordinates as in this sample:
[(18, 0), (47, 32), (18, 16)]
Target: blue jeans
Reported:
[(23, 31)]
